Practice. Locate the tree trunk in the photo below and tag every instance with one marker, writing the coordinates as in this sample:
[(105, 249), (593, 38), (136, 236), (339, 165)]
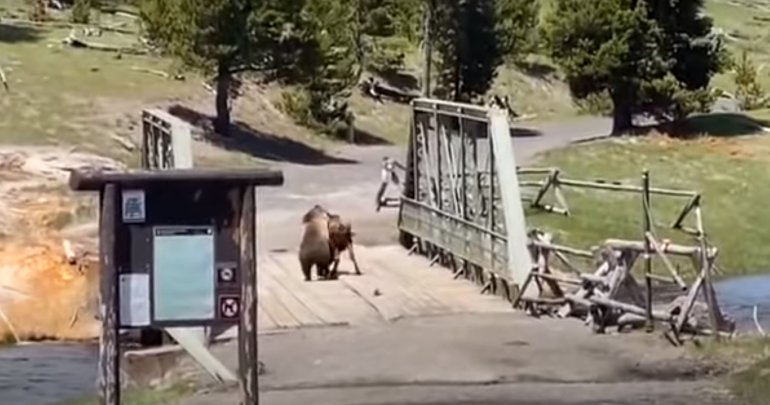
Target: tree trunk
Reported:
[(458, 96), (427, 47), (222, 120), (622, 114)]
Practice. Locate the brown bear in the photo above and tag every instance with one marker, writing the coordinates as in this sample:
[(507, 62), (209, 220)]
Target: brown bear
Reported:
[(315, 249)]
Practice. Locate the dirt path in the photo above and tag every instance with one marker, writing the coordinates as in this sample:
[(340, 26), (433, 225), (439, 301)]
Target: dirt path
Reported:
[(486, 359)]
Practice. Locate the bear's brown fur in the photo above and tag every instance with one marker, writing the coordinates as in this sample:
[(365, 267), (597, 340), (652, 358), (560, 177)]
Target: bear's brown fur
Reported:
[(341, 239), (315, 248)]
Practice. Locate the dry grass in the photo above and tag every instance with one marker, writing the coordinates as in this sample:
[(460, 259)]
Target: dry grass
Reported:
[(63, 95), (749, 357), (535, 88), (746, 23), (84, 98)]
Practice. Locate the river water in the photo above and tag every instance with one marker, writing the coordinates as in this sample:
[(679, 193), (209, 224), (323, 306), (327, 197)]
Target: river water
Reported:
[(738, 296), (47, 374)]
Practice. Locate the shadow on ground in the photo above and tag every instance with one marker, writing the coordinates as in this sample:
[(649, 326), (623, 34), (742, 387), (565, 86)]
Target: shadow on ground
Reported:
[(722, 125), (520, 132), (365, 138), (245, 139), (11, 34)]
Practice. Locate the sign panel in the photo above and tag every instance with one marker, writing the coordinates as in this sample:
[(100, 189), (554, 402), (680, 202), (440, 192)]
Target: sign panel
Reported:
[(134, 290), (227, 275), (183, 273), (229, 306), (134, 206)]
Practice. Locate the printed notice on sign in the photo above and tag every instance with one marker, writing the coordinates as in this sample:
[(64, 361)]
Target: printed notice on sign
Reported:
[(134, 299), (183, 274), (133, 206)]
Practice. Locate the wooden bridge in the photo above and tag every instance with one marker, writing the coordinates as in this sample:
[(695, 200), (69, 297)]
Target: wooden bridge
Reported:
[(394, 285)]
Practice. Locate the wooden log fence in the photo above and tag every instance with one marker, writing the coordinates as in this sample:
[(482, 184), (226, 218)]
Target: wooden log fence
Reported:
[(609, 294)]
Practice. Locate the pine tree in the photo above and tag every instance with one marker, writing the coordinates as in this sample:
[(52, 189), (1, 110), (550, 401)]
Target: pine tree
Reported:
[(606, 46), (748, 90), (468, 46), (695, 53), (517, 26), (687, 38), (226, 37), (212, 36)]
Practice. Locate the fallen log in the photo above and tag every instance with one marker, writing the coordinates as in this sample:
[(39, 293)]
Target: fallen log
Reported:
[(633, 309), (669, 248), (79, 43), (545, 301), (118, 27), (160, 73), (633, 321), (558, 279), (562, 249), (567, 310)]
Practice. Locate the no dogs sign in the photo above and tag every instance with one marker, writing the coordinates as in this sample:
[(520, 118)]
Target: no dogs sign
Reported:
[(229, 307)]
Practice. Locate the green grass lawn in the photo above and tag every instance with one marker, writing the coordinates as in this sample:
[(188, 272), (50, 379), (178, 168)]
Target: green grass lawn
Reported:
[(730, 173), (745, 24)]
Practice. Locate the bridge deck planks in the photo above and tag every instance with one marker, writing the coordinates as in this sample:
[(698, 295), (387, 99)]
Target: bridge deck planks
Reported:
[(331, 300), (437, 281), (393, 285)]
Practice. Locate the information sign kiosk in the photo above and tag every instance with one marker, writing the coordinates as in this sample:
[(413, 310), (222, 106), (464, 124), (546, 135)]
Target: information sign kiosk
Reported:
[(177, 248)]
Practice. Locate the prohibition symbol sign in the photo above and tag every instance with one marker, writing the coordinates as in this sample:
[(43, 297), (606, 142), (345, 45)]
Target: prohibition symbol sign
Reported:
[(229, 307)]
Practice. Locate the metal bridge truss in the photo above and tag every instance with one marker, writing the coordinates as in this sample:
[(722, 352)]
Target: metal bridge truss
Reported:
[(461, 194), (166, 141)]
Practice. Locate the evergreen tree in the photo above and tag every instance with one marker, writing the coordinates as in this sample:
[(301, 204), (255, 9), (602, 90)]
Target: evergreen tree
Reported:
[(336, 66), (688, 40), (695, 54), (607, 46), (466, 40), (663, 51), (517, 26), (225, 37), (748, 90), (388, 29)]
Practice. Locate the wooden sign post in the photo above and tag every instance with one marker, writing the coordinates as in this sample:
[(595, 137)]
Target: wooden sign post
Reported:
[(177, 249)]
